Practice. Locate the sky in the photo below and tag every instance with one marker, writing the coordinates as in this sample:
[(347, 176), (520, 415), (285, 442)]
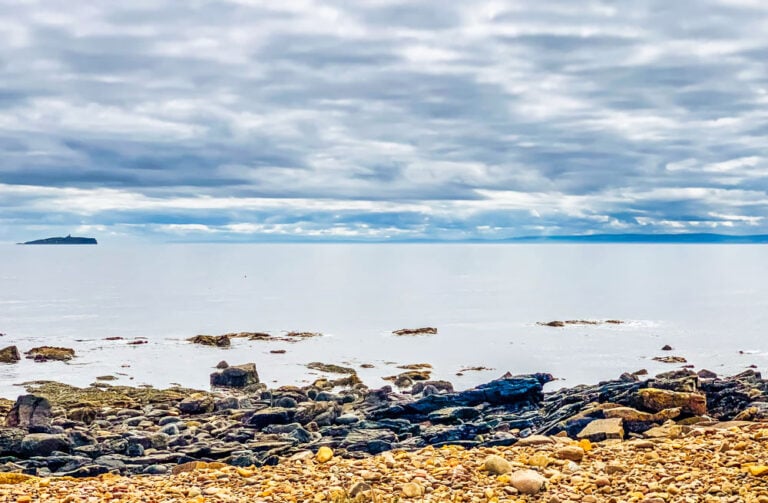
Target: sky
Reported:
[(378, 120)]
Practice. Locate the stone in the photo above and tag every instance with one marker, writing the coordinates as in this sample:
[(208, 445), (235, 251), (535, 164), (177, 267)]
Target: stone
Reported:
[(603, 429), (10, 441), (44, 444), (670, 359), (451, 415), (236, 376), (85, 415), (706, 374), (222, 365), (9, 355), (416, 331), (527, 481), (535, 440), (197, 403), (666, 347), (412, 490), (656, 399), (30, 412), (324, 454), (219, 341), (358, 488), (45, 353), (330, 368), (497, 465), (270, 415), (570, 452)]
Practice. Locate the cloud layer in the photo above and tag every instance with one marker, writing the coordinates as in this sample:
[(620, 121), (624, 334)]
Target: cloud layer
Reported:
[(382, 119)]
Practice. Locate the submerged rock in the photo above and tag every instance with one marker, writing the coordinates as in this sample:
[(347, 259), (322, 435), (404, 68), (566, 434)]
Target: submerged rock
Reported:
[(331, 368), (416, 331), (220, 341)]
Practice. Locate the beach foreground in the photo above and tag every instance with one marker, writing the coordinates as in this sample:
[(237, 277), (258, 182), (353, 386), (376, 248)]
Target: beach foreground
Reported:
[(713, 463)]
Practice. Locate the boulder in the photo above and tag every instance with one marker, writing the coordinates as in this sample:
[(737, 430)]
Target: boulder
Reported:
[(44, 444), (603, 429), (45, 353), (30, 412), (656, 399), (496, 465), (9, 355), (527, 481), (236, 376), (270, 415)]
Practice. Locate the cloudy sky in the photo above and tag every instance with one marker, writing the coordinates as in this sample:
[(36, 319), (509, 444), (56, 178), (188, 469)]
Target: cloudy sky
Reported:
[(382, 119)]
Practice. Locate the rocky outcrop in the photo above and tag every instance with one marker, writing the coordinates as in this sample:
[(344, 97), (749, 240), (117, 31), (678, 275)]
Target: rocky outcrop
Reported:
[(9, 355), (46, 353)]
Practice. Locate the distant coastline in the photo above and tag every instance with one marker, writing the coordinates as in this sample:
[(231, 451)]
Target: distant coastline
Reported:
[(68, 240)]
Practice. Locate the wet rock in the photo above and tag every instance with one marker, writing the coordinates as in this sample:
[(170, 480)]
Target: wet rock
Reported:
[(9, 355), (706, 374), (437, 386), (45, 353), (416, 331), (670, 359), (237, 376), (222, 365), (666, 347), (659, 399), (555, 323), (44, 444), (219, 341), (30, 412)]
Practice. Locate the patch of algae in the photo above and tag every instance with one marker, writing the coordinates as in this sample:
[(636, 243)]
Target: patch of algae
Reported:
[(104, 395)]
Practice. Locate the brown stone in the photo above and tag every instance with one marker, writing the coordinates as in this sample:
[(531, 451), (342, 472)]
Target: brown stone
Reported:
[(659, 399), (9, 355)]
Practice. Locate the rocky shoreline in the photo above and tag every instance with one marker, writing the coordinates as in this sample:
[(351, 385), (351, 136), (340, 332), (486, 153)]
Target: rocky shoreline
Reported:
[(62, 431)]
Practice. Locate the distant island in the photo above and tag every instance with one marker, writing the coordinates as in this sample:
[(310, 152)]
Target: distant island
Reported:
[(69, 240)]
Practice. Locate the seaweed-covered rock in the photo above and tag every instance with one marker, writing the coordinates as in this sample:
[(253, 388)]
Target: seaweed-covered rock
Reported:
[(46, 353), (9, 355), (219, 341), (236, 376)]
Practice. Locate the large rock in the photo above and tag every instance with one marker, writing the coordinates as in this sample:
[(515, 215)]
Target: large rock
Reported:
[(9, 355), (197, 403), (10, 441), (527, 481), (236, 376), (270, 415), (45, 353), (603, 429), (30, 412), (44, 444), (660, 399)]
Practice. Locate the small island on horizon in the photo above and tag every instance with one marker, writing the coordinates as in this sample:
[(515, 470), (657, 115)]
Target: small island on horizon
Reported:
[(68, 240)]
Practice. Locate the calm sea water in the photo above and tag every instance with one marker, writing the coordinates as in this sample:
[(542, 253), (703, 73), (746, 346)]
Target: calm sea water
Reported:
[(710, 302)]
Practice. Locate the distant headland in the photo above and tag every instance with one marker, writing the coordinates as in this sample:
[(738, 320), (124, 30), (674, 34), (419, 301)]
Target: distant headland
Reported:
[(69, 240)]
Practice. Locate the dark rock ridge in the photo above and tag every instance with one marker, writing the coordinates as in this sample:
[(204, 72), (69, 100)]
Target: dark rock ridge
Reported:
[(60, 430), (68, 240)]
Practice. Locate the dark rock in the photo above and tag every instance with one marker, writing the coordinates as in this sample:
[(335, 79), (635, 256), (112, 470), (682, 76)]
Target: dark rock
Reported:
[(9, 355), (10, 441), (155, 470), (372, 441), (452, 415), (222, 365), (706, 374), (270, 415), (220, 341), (416, 331), (238, 376), (198, 403), (30, 412), (85, 415), (44, 444)]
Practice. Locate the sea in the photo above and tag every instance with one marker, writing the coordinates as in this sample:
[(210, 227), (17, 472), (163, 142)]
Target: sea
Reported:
[(708, 302)]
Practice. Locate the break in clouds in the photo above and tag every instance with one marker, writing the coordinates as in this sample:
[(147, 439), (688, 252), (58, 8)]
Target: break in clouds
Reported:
[(382, 119)]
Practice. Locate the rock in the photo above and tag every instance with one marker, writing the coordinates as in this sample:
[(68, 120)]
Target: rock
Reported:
[(30, 412), (666, 347), (656, 399), (329, 367), (358, 488), (270, 415), (197, 403), (9, 355), (412, 490), (324, 454), (497, 465), (706, 374), (603, 429), (535, 440), (670, 359), (85, 415), (10, 441), (555, 323), (222, 365), (416, 331), (452, 415), (219, 341), (45, 353), (570, 452), (237, 376), (527, 481), (44, 444)]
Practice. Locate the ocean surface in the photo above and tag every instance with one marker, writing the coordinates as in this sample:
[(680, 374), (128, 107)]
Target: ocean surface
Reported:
[(709, 302)]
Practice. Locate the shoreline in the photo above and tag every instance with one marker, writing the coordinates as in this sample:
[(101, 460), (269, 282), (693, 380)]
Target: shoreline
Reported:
[(57, 431)]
